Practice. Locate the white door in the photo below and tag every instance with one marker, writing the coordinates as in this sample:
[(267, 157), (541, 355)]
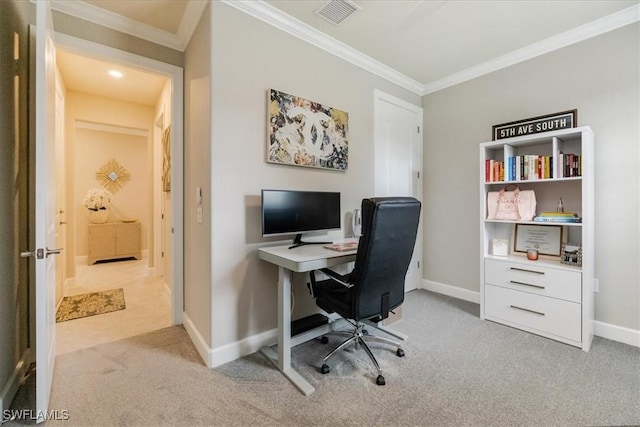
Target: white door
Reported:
[(45, 214), (398, 161)]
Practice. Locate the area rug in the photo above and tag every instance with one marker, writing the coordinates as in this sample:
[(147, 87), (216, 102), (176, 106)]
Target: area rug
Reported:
[(85, 305)]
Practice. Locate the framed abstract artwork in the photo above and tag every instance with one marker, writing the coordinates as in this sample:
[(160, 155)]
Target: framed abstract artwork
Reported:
[(306, 133)]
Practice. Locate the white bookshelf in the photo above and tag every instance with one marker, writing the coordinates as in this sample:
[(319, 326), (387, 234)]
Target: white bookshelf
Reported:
[(544, 297)]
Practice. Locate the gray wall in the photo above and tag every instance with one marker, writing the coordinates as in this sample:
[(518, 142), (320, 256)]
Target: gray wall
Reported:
[(600, 77), (15, 17), (197, 154), (248, 58), (85, 30)]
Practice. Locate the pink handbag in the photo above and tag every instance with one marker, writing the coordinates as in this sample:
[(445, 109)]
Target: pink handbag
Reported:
[(511, 205)]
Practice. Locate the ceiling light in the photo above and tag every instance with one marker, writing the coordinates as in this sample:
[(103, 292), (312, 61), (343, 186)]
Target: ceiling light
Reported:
[(116, 74)]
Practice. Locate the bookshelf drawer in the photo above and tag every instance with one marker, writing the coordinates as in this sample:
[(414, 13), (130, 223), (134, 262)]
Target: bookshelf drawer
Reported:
[(539, 280), (537, 314)]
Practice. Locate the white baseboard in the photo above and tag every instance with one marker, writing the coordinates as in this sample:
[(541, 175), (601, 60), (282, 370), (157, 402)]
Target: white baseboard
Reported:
[(617, 333), (604, 330), (452, 291), (238, 349), (10, 389), (230, 352), (203, 349)]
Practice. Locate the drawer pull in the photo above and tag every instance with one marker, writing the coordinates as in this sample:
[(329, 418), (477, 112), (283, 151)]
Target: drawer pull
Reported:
[(526, 284), (526, 271), (527, 310)]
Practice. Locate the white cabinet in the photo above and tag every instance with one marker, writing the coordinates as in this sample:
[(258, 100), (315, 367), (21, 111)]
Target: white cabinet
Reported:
[(543, 296)]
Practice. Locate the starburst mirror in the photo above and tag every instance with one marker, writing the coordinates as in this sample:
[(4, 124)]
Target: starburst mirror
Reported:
[(113, 176)]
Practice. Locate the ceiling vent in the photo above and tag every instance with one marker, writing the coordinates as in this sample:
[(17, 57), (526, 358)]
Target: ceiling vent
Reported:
[(336, 11)]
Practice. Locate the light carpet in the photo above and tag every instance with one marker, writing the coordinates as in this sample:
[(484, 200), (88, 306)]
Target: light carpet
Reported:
[(458, 371)]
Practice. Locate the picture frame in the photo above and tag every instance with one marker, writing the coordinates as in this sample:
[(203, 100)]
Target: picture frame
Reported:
[(500, 247), (166, 160), (546, 239), (306, 133), (571, 254)]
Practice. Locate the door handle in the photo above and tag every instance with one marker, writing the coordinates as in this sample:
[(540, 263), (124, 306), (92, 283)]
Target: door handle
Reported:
[(52, 251), (41, 253)]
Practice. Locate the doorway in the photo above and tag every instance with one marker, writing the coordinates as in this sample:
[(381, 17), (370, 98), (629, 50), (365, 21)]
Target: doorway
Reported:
[(153, 295)]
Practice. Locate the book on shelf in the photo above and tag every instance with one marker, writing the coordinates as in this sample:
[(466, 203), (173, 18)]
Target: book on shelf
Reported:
[(531, 167), (558, 219), (558, 214), (494, 171), (569, 165)]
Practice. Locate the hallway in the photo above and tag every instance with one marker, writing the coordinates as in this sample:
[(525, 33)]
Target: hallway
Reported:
[(147, 302)]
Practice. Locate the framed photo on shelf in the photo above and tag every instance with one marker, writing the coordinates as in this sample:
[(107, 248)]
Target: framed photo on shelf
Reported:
[(546, 239), (571, 254), (500, 247)]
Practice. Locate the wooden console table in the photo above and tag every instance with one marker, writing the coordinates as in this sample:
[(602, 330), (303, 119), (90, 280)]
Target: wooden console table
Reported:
[(114, 240)]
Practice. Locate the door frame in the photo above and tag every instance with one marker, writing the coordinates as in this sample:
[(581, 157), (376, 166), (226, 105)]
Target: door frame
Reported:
[(176, 75), (378, 137)]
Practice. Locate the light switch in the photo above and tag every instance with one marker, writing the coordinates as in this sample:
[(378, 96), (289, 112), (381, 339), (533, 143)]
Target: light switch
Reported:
[(199, 196), (199, 214)]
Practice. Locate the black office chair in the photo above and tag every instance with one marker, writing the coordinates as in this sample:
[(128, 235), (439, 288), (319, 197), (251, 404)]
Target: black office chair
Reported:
[(376, 285)]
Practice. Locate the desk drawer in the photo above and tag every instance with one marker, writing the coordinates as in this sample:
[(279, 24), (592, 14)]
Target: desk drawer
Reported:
[(540, 280), (533, 312)]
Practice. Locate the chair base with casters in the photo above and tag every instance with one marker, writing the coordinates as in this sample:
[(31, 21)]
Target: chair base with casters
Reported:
[(358, 337)]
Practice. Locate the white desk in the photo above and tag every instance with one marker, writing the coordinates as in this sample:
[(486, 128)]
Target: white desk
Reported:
[(301, 259)]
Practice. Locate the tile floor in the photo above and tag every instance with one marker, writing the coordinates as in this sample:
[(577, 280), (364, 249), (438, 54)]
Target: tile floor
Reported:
[(146, 297)]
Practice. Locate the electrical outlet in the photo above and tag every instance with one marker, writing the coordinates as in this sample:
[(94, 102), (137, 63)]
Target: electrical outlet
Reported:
[(199, 214), (596, 286)]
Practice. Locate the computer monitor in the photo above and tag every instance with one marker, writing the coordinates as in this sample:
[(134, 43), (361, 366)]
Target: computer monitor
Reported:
[(296, 212)]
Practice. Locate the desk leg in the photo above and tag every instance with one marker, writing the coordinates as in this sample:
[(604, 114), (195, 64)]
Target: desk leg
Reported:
[(283, 359)]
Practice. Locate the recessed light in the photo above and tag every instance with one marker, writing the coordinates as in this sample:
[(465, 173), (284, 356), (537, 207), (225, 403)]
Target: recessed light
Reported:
[(116, 74)]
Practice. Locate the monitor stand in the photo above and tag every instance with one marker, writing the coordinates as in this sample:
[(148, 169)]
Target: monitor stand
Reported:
[(297, 241)]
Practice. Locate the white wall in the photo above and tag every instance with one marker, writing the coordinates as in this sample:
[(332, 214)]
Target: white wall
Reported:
[(249, 57), (601, 78)]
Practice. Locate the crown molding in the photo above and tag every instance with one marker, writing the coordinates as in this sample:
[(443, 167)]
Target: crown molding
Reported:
[(272, 16), (192, 14), (600, 26), (297, 28), (105, 18)]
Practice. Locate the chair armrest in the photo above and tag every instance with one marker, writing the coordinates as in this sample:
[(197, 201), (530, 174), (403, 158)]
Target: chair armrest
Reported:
[(343, 280)]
